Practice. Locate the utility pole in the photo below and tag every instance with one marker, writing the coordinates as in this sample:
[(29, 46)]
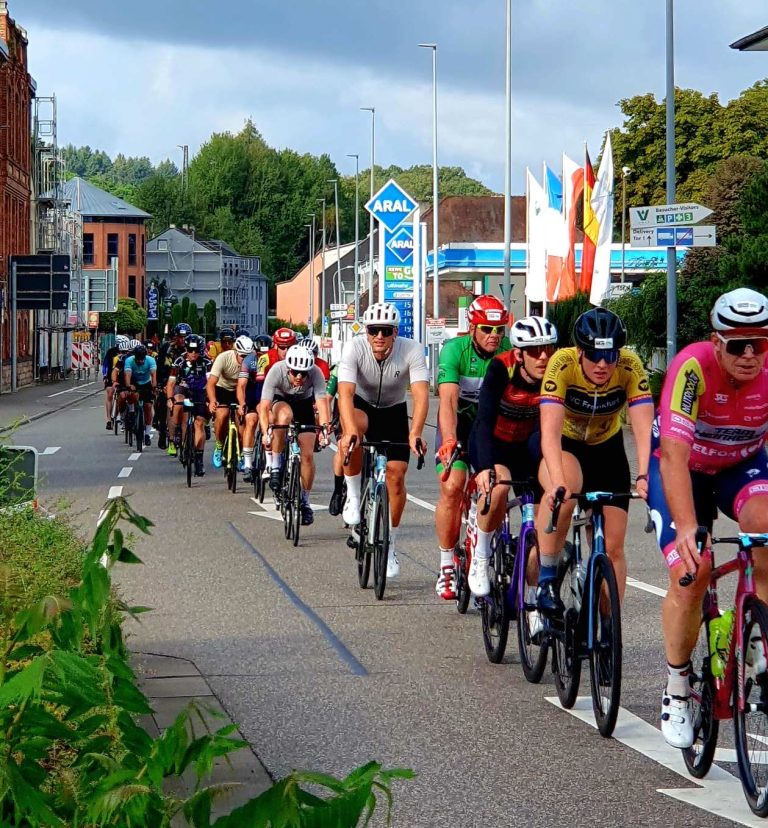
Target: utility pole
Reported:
[(356, 156), (507, 284), (671, 251), (322, 277), (372, 110), (335, 182)]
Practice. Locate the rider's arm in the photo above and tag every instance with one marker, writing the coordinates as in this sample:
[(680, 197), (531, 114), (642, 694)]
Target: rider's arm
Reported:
[(210, 387), (676, 479), (267, 395), (447, 411), (641, 420), (491, 392), (420, 393), (347, 375), (552, 419)]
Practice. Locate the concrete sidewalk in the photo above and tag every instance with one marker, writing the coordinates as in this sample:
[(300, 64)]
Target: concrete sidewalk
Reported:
[(36, 401)]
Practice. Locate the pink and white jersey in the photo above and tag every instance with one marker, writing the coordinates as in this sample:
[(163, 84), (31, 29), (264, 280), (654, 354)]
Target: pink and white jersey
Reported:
[(722, 424)]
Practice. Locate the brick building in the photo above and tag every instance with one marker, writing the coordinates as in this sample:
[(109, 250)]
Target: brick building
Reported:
[(17, 90)]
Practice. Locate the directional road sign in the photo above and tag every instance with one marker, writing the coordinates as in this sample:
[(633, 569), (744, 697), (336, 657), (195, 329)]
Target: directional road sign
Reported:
[(391, 205), (702, 235), (664, 215)]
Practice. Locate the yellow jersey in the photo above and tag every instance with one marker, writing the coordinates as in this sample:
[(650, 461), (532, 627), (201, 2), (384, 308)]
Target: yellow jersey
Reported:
[(593, 412)]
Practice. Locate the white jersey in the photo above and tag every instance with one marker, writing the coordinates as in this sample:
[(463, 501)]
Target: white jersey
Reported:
[(383, 384), (278, 384)]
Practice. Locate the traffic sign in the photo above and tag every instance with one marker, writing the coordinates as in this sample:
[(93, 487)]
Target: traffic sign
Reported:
[(391, 206), (339, 314), (435, 331), (401, 244), (702, 235), (338, 306), (662, 215), (356, 327), (93, 319)]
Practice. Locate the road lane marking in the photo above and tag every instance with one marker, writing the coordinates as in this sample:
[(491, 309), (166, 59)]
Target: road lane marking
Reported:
[(423, 503), (135, 456), (114, 491), (50, 450), (654, 590), (355, 667), (70, 390), (270, 515), (125, 471), (719, 793)]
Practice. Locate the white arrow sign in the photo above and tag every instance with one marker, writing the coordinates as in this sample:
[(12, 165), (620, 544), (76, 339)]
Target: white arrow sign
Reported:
[(702, 235), (664, 215)]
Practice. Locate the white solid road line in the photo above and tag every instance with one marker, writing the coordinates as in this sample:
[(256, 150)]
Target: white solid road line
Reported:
[(50, 450), (134, 457), (125, 471), (70, 390), (654, 590), (419, 502), (719, 793)]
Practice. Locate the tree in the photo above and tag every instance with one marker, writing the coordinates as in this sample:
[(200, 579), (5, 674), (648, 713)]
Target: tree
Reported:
[(209, 317), (130, 317)]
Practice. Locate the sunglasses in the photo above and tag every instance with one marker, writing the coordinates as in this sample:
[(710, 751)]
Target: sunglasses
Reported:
[(738, 346), (537, 351), (297, 373), (610, 356), (282, 347), (384, 330), (491, 329)]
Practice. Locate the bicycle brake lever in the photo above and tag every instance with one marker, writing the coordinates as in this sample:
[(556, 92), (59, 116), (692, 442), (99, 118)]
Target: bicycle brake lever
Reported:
[(559, 496), (487, 501), (649, 524), (420, 452), (348, 455), (701, 539)]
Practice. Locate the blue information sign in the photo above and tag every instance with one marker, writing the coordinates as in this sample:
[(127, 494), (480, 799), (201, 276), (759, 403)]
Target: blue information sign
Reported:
[(152, 297), (391, 206), (398, 275)]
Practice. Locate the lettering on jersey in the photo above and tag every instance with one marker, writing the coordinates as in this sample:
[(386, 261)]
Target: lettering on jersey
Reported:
[(550, 386), (643, 385), (753, 472), (721, 398), (730, 434), (582, 402), (688, 399)]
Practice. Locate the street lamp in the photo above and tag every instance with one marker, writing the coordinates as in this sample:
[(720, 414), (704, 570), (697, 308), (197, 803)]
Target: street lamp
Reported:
[(372, 110), (671, 253), (356, 156), (508, 160), (435, 197), (311, 227), (625, 173), (322, 278), (335, 182)]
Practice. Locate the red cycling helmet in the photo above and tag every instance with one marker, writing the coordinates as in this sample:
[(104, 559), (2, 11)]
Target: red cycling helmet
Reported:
[(487, 310), (284, 338)]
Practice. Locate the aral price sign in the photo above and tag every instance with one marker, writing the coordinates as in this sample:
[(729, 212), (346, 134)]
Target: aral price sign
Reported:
[(665, 215)]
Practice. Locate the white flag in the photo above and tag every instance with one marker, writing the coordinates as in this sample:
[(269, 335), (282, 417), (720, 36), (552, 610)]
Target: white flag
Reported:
[(602, 204), (536, 283)]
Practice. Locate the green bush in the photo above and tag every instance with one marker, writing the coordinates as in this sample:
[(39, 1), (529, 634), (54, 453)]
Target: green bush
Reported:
[(563, 314)]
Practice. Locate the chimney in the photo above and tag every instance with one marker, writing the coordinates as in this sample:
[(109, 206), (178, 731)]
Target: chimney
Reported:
[(170, 226)]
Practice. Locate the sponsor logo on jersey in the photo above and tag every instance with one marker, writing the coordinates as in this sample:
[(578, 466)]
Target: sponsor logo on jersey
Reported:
[(688, 399), (550, 386), (721, 398), (643, 385)]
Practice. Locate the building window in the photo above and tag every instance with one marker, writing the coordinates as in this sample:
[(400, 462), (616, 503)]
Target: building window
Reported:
[(143, 250), (162, 245), (87, 248), (131, 248), (111, 245), (132, 287)]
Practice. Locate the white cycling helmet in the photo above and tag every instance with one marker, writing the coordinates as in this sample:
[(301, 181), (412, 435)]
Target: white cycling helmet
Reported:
[(123, 343), (381, 313), (299, 358), (742, 308), (244, 345), (134, 344), (533, 330)]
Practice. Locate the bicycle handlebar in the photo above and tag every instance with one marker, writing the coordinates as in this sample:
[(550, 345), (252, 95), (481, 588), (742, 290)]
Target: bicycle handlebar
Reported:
[(701, 539), (458, 448), (559, 499), (491, 484)]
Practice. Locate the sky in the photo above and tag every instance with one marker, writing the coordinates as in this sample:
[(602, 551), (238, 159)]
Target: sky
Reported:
[(142, 77)]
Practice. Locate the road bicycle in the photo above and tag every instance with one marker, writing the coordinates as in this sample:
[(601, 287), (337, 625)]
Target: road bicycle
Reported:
[(134, 423), (259, 466), (590, 627), (230, 451), (160, 417), (737, 688), (187, 449), (370, 538), (462, 552)]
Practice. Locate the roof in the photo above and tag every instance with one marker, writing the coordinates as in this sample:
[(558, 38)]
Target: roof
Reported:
[(475, 219), (755, 42), (89, 200)]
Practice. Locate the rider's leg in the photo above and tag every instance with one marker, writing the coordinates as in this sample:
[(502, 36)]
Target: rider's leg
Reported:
[(352, 472), (307, 443), (110, 393), (615, 532), (249, 438), (448, 513)]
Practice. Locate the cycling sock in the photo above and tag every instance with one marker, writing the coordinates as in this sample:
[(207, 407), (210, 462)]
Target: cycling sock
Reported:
[(353, 488), (338, 483), (305, 498), (548, 567), (392, 536), (248, 457), (482, 544), (148, 429), (446, 557), (277, 462), (219, 446), (269, 459), (678, 683), (199, 455)]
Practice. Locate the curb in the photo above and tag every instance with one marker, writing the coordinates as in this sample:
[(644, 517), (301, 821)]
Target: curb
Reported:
[(40, 414)]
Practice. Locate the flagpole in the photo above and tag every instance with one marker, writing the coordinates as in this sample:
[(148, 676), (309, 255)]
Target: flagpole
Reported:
[(527, 239), (546, 250)]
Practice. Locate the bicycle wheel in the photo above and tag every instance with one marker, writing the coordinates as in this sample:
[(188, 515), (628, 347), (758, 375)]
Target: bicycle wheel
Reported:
[(531, 641), (462, 556), (605, 654), (286, 506), (140, 427), (751, 722), (189, 450), (363, 553), (566, 664), (231, 462), (295, 497), (698, 758), (128, 427), (494, 609), (259, 461), (114, 414), (380, 540)]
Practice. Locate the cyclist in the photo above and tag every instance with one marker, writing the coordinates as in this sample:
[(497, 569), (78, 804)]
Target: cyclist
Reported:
[(188, 379), (337, 498), (126, 400), (282, 340), (505, 436), (250, 384), (263, 343), (462, 366), (226, 343), (290, 394), (122, 345), (167, 354), (222, 390), (709, 453), (325, 368), (585, 391), (141, 376), (117, 375), (374, 373)]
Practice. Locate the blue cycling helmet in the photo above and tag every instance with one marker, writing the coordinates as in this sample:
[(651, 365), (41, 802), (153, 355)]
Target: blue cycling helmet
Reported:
[(182, 329)]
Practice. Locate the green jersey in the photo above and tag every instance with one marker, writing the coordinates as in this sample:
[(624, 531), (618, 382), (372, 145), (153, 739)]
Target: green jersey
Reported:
[(460, 363)]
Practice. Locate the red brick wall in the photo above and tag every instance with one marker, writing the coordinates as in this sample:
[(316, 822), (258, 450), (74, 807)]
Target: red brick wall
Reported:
[(100, 231)]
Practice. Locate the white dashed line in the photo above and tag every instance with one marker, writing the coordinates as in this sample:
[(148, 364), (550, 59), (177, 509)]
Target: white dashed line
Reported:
[(51, 450), (134, 457), (125, 471), (114, 491)]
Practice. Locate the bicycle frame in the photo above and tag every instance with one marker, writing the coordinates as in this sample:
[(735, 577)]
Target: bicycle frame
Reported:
[(374, 476)]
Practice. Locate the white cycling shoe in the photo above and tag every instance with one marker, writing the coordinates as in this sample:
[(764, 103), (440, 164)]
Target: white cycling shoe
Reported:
[(676, 721), (393, 565), (478, 577), (351, 512)]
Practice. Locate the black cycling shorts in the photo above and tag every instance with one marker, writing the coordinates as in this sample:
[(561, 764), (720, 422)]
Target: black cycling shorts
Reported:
[(146, 392), (303, 410), (389, 423), (604, 467), (224, 396), (522, 459)]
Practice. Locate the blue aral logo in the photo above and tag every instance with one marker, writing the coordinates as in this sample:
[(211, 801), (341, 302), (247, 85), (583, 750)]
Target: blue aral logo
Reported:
[(391, 205), (401, 244)]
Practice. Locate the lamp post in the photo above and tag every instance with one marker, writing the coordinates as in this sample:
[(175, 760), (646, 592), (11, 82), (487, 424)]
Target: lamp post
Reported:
[(311, 275), (507, 285), (372, 110), (322, 277), (671, 252), (335, 182), (435, 195), (356, 156), (625, 172)]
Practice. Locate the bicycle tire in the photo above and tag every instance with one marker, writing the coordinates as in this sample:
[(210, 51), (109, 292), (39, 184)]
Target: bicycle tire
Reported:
[(189, 450), (286, 510), (114, 414), (380, 540), (231, 462), (698, 758), (533, 655), (295, 496), (494, 609), (566, 664), (606, 652), (259, 462), (751, 725), (462, 558), (139, 427), (363, 553), (128, 430)]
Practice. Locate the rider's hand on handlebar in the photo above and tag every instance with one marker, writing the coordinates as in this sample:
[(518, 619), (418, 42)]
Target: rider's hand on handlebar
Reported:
[(552, 494), (323, 436), (347, 440), (483, 481), (417, 444), (685, 545), (641, 486), (213, 406), (266, 438), (443, 454)]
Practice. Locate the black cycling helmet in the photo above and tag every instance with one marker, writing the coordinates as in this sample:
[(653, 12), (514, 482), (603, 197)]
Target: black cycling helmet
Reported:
[(263, 342), (149, 344), (243, 332), (140, 352), (182, 329), (227, 333), (599, 330), (192, 342)]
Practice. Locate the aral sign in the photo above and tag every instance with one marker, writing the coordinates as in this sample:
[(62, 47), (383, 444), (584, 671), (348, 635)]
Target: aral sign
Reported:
[(391, 206)]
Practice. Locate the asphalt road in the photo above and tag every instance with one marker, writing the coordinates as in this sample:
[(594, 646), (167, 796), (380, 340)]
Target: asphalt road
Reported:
[(320, 675)]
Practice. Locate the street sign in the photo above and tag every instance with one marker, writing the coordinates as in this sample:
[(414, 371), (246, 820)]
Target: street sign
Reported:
[(662, 215), (42, 281), (702, 235), (93, 319), (435, 331), (338, 306), (339, 314), (391, 206), (356, 327)]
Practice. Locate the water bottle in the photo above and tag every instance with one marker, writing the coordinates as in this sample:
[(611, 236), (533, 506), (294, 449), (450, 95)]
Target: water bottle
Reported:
[(295, 448), (578, 576), (720, 630)]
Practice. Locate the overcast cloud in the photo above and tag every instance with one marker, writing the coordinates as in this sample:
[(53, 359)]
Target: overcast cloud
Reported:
[(142, 77)]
